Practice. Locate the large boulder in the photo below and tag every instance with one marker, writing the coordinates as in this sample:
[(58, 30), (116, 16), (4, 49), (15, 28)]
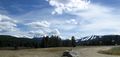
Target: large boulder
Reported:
[(69, 54)]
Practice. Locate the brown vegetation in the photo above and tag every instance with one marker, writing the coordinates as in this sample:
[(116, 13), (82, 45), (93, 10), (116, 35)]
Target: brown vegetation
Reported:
[(40, 52), (112, 51)]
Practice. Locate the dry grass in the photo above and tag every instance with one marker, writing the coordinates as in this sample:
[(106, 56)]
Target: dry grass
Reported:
[(112, 51), (41, 52)]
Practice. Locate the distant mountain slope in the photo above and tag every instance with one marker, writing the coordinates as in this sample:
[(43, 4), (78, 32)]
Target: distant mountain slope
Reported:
[(100, 40)]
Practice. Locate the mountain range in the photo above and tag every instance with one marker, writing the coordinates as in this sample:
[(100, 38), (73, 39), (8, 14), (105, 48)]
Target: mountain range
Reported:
[(100, 40)]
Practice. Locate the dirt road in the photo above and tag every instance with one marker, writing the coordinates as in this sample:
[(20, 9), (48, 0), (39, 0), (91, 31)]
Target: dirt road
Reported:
[(92, 52)]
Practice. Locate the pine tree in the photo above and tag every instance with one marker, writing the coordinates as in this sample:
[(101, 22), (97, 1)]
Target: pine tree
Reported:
[(46, 41), (73, 41)]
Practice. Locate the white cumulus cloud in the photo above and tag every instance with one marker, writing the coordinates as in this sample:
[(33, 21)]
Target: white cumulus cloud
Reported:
[(68, 5), (72, 21)]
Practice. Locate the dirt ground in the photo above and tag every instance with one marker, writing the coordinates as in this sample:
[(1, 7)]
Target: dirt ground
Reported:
[(90, 51), (40, 52), (93, 51)]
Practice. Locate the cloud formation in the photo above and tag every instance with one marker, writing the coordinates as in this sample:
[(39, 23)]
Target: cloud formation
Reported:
[(68, 5), (95, 19), (7, 24), (70, 17), (42, 24), (42, 28), (72, 21)]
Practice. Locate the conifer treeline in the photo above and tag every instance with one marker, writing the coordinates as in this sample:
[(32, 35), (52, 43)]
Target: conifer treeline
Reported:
[(43, 42)]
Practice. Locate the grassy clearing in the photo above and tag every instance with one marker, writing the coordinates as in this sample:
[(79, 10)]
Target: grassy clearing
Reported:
[(112, 51), (40, 52)]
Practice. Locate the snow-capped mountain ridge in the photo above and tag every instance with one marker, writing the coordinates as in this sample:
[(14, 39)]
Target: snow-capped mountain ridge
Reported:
[(90, 37), (100, 40)]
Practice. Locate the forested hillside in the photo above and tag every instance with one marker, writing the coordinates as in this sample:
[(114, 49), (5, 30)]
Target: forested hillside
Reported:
[(41, 42)]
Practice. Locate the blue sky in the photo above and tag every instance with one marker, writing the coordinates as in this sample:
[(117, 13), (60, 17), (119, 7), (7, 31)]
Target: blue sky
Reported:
[(59, 17)]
